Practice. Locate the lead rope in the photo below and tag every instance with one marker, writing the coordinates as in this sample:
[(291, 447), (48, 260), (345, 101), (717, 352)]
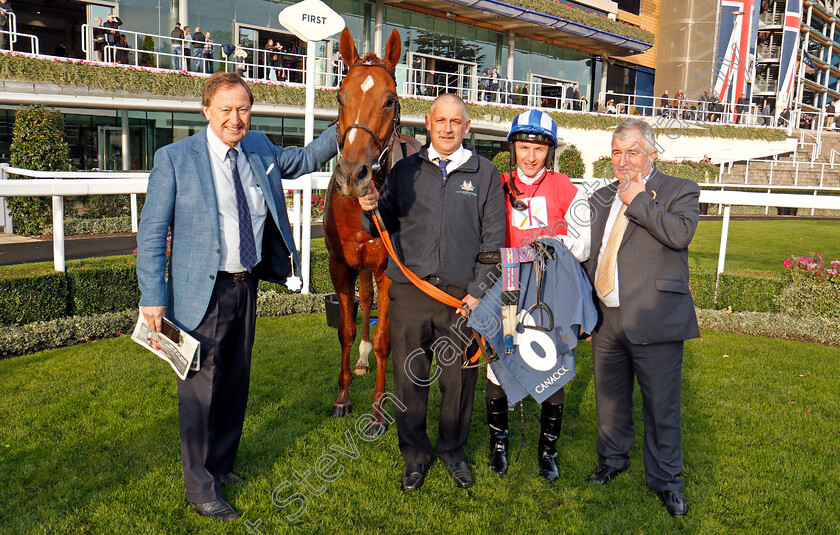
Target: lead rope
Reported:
[(522, 428)]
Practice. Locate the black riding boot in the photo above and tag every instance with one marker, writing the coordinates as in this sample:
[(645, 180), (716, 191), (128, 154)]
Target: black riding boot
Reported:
[(497, 420), (550, 421)]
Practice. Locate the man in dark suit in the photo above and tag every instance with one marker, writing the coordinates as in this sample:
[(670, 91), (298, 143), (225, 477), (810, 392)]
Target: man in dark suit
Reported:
[(5, 13), (639, 267), (200, 189)]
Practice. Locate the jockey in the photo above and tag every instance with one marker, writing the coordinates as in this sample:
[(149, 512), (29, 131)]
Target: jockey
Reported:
[(537, 201)]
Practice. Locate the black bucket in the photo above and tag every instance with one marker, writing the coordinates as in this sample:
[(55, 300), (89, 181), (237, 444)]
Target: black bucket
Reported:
[(334, 312)]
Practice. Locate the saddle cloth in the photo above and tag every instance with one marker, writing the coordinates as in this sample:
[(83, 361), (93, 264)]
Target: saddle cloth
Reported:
[(543, 362)]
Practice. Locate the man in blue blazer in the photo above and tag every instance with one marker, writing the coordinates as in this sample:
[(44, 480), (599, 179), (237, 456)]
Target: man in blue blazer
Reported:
[(199, 190), (638, 266)]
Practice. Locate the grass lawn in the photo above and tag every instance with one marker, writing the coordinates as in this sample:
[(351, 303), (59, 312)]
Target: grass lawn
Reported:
[(763, 245), (89, 444)]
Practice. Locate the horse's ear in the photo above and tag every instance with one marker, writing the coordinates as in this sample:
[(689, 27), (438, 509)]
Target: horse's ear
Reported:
[(393, 49), (348, 48)]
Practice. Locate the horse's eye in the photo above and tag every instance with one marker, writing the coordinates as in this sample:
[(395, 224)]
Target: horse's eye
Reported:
[(390, 103)]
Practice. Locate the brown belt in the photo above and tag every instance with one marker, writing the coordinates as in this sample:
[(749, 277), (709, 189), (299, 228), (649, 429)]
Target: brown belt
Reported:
[(235, 277)]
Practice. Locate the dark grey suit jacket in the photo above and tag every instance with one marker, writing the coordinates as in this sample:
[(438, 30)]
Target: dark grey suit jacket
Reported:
[(656, 304)]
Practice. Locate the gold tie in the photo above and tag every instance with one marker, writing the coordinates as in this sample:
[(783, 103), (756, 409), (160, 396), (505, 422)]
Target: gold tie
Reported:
[(606, 272)]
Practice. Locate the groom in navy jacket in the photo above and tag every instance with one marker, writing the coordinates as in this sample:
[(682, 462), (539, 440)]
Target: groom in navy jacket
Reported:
[(200, 189)]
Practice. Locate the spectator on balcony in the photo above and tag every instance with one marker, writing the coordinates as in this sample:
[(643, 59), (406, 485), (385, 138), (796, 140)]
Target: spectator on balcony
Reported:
[(679, 103), (507, 90), (98, 39), (493, 87), (177, 36), (703, 107), (837, 122), (576, 104), (208, 53), (187, 48), (121, 56), (268, 60), (484, 85), (568, 93), (112, 36), (611, 109), (766, 114), (829, 114), (278, 60), (60, 51), (664, 100), (239, 57), (198, 50), (740, 108), (784, 117), (5, 10)]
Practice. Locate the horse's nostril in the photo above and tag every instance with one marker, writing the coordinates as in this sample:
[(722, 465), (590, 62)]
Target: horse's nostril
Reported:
[(363, 172)]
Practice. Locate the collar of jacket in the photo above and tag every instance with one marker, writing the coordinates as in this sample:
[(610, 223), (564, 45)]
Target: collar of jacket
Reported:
[(470, 166)]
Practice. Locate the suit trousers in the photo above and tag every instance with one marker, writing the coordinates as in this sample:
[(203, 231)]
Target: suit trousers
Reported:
[(658, 369), (212, 401), (420, 329)]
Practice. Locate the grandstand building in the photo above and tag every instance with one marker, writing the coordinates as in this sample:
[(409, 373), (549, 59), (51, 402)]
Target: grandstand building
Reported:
[(539, 48)]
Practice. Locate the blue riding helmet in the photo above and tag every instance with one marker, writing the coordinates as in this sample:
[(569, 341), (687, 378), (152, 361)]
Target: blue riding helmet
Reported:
[(534, 126)]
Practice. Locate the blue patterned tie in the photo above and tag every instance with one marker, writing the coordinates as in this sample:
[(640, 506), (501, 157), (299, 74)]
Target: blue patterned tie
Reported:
[(442, 163), (247, 248)]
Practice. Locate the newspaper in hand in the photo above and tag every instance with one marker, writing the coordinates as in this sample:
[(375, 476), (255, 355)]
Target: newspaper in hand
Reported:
[(172, 344)]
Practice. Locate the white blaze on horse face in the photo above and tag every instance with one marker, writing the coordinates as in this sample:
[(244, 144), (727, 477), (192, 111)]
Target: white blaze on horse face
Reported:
[(365, 87)]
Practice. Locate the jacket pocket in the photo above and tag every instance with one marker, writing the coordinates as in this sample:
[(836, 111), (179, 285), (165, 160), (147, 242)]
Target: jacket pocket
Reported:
[(666, 285), (182, 274)]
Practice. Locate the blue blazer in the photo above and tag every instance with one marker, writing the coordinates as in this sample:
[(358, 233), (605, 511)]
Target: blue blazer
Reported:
[(181, 197)]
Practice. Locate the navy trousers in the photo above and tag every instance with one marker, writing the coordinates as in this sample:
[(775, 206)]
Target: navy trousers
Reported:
[(212, 401)]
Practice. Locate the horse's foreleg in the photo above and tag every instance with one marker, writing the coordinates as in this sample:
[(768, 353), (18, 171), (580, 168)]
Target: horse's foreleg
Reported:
[(344, 280), (381, 348), (366, 298)]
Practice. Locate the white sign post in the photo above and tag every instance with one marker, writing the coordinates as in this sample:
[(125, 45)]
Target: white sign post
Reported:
[(310, 21)]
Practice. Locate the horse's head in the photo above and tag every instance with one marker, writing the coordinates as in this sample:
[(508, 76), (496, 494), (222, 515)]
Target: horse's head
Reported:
[(368, 115)]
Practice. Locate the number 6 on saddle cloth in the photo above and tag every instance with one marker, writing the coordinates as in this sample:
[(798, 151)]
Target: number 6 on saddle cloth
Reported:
[(532, 316)]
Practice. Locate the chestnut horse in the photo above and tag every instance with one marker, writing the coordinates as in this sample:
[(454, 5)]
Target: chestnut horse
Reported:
[(368, 129)]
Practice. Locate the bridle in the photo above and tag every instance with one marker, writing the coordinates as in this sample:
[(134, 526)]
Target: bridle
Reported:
[(384, 147)]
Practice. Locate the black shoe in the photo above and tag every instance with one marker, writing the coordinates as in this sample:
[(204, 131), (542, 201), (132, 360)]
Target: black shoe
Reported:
[(551, 422), (230, 479), (461, 474), (218, 509), (497, 416), (414, 475), (604, 474), (674, 502)]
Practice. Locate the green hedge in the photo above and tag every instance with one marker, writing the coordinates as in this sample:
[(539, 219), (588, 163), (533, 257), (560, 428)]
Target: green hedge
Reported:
[(701, 282), (69, 331), (700, 173), (114, 278), (74, 226), (749, 292), (127, 79), (38, 143), (33, 294), (810, 299)]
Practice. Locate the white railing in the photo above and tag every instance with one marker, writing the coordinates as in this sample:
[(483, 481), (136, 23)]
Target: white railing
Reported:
[(703, 111), (777, 166), (58, 185), (330, 72), (728, 199), (816, 145), (12, 36), (831, 155)]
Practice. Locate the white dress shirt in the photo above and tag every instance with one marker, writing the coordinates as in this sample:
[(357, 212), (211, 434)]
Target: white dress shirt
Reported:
[(226, 196), (611, 300), (456, 159)]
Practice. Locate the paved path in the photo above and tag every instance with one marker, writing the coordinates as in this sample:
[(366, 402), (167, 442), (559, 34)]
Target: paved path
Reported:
[(22, 251)]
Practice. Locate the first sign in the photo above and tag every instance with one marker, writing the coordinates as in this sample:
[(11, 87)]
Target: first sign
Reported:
[(311, 20)]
